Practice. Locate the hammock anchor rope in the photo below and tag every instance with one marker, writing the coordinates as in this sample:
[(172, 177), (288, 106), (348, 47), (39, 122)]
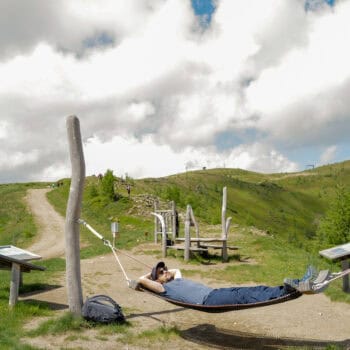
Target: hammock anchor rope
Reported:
[(108, 244)]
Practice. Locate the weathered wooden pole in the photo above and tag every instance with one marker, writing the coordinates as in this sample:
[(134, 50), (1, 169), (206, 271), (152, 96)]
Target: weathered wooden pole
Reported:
[(223, 212), (225, 225), (72, 232), (187, 233), (173, 219)]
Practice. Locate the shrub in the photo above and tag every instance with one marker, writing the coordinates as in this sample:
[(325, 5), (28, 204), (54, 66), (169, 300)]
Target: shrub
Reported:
[(107, 184), (334, 228)]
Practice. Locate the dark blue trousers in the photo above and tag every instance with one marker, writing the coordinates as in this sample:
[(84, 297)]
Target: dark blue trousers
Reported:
[(243, 295)]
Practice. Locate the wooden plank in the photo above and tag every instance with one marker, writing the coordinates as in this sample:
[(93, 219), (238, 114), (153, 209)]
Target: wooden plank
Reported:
[(203, 239), (182, 247), (217, 246)]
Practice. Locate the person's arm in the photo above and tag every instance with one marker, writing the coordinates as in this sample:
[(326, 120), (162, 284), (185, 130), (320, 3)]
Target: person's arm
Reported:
[(151, 285)]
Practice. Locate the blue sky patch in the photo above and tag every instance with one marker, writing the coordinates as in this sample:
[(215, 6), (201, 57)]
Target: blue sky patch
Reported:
[(204, 9)]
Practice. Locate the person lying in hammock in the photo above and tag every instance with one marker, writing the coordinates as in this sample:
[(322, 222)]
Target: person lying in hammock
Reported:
[(170, 284)]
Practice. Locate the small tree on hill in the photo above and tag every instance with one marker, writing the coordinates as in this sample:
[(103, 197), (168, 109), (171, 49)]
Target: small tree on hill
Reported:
[(107, 184), (334, 228)]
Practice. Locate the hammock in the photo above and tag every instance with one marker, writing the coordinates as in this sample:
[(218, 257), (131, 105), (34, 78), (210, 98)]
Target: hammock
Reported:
[(205, 308), (226, 307)]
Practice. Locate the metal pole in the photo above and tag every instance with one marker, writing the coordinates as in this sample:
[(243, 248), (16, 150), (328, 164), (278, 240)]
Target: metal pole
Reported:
[(164, 234)]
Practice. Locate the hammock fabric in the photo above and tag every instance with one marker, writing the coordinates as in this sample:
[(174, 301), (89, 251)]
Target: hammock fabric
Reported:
[(224, 308)]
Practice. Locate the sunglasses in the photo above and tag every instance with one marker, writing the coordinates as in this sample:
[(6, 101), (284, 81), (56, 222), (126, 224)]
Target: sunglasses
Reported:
[(162, 270)]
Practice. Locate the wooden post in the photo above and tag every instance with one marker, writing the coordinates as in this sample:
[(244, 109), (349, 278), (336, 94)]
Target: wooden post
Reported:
[(74, 290), (187, 233), (14, 286), (224, 225), (345, 265), (173, 218), (223, 212)]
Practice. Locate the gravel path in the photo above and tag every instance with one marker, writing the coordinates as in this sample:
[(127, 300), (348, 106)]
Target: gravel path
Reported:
[(50, 241)]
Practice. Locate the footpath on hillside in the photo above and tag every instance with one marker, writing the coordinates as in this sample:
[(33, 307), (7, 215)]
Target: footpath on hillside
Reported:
[(310, 321)]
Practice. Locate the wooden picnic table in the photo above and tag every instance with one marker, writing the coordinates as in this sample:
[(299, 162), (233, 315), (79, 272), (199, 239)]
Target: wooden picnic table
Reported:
[(16, 259)]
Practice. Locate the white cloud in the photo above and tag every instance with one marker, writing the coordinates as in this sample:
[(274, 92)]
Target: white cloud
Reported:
[(144, 77), (305, 77), (328, 155), (3, 129), (148, 159), (18, 159)]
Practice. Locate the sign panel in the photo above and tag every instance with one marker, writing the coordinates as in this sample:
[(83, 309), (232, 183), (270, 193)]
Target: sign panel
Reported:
[(18, 253), (340, 251)]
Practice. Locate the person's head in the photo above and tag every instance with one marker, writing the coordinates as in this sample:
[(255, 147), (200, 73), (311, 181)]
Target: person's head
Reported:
[(160, 273)]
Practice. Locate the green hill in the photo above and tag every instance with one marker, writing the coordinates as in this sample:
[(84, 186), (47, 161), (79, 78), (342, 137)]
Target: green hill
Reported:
[(287, 206)]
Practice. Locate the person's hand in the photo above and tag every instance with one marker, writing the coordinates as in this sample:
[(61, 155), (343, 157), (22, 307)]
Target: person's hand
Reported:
[(134, 284)]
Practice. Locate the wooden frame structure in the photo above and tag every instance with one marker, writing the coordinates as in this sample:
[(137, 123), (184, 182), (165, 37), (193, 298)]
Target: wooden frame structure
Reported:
[(169, 216), (202, 243)]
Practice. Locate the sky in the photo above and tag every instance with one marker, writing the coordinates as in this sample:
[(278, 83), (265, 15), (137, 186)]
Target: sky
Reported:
[(165, 86)]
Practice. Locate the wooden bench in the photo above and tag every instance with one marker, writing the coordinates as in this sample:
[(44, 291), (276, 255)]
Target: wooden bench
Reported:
[(206, 243), (340, 253), (16, 260)]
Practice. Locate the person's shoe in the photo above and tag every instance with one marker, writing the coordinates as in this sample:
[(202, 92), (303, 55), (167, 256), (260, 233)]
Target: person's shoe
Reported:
[(310, 274)]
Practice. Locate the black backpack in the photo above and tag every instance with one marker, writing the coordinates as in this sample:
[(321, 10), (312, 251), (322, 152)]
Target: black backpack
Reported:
[(102, 309)]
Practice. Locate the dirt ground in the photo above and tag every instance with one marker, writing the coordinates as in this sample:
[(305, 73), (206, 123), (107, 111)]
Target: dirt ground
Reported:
[(309, 321)]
